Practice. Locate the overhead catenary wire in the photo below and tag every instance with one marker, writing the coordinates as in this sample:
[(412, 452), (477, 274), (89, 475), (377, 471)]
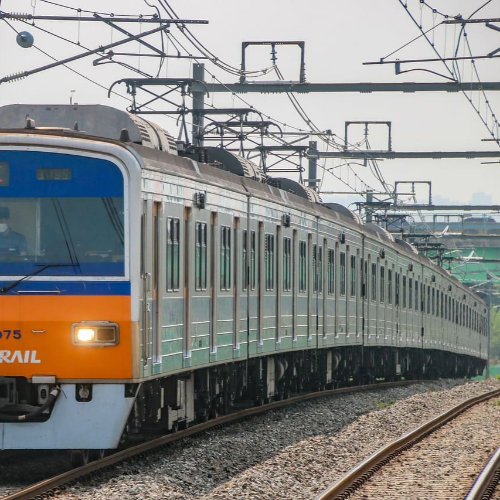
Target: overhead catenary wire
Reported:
[(454, 71)]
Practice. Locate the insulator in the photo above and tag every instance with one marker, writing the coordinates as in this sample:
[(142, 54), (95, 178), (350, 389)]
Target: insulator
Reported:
[(14, 77), (18, 15)]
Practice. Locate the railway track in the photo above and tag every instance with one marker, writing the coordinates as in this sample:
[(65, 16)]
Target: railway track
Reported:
[(398, 470), (486, 484), (51, 486)]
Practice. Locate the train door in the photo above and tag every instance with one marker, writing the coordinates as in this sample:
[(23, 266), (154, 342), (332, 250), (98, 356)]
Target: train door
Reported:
[(155, 281), (330, 311), (371, 300), (342, 306), (214, 276), (382, 302), (310, 280), (238, 274), (352, 321), (390, 304), (296, 279), (336, 288), (397, 307), (148, 306)]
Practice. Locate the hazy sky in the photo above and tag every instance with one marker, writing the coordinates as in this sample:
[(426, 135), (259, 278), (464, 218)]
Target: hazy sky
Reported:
[(339, 37)]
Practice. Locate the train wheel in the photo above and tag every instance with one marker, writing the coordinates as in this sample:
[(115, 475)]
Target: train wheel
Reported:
[(80, 457)]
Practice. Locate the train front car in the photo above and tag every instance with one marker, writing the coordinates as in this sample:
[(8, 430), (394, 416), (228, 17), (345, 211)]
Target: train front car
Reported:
[(65, 291)]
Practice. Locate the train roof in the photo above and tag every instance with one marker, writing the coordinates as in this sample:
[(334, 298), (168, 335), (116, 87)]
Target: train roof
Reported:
[(92, 119), (158, 150)]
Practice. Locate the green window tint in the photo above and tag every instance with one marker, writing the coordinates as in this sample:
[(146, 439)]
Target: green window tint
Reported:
[(314, 268), (353, 276), (173, 238), (396, 293), (302, 266), (244, 245), (225, 258), (253, 240), (287, 264), (331, 271), (374, 282), (320, 269), (200, 265), (382, 284), (342, 273), (269, 261), (389, 286)]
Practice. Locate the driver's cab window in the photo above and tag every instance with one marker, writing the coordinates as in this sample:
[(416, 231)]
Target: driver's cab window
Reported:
[(82, 233)]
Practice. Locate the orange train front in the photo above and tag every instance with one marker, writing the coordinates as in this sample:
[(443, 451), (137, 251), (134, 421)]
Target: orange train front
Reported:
[(66, 321)]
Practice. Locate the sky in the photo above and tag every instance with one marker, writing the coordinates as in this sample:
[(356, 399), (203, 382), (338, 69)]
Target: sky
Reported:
[(339, 37)]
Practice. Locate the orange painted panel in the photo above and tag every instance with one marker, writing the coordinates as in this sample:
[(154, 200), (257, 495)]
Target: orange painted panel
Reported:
[(24, 352)]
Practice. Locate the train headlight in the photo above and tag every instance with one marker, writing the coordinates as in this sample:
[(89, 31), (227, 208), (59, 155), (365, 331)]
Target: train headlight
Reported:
[(95, 333), (85, 334)]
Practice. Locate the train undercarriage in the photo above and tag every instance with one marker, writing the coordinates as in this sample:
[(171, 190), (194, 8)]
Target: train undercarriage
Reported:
[(169, 404)]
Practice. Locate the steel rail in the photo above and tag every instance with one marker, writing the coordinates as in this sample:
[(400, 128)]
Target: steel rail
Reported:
[(51, 486), (365, 469), (487, 480)]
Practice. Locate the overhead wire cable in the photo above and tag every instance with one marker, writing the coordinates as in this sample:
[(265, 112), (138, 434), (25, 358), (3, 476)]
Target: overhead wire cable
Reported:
[(456, 68)]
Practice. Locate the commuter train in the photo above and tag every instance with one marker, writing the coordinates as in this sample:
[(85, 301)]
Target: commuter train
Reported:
[(146, 285)]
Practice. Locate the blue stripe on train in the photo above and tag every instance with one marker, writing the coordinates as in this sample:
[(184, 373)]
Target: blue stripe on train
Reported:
[(68, 287)]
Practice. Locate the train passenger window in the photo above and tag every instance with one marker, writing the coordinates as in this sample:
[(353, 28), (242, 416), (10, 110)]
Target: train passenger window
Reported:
[(287, 264), (353, 276), (442, 308), (410, 293), (389, 286), (433, 302), (269, 261), (302, 266), (404, 292), (374, 282), (173, 272), (225, 258), (397, 290), (382, 283), (437, 303), (416, 296), (314, 268), (320, 269), (331, 271), (200, 257), (253, 239), (244, 259), (342, 273), (428, 299)]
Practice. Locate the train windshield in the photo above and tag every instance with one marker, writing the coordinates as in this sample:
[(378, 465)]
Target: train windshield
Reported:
[(72, 236)]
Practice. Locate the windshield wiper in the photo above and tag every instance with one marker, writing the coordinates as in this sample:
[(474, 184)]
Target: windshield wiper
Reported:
[(8, 287)]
